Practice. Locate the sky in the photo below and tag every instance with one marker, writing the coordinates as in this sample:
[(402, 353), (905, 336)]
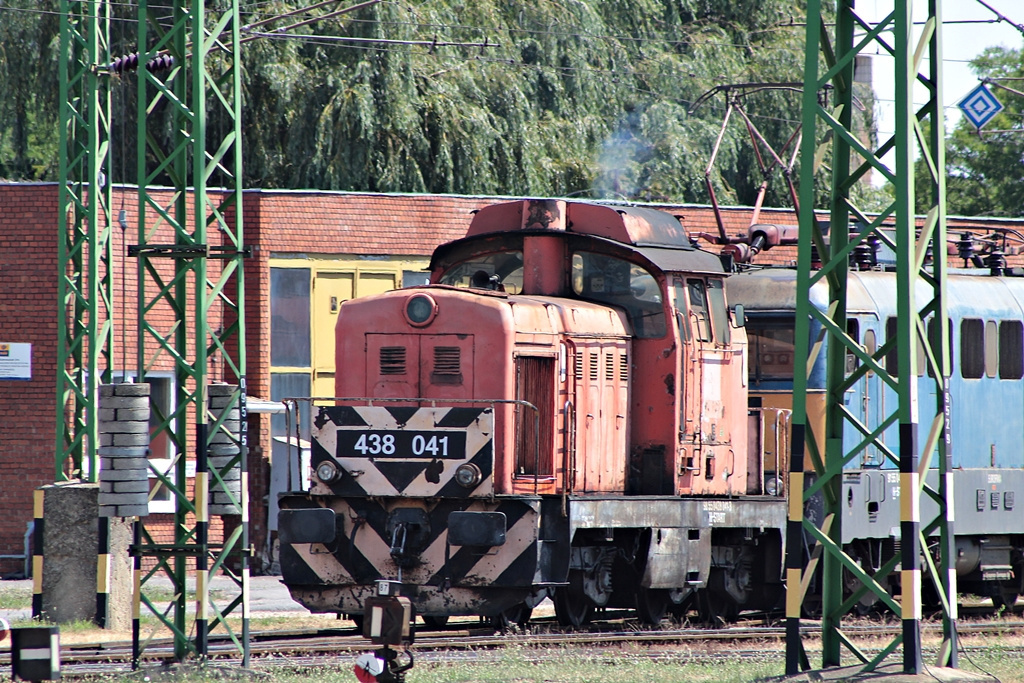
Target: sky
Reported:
[(961, 43)]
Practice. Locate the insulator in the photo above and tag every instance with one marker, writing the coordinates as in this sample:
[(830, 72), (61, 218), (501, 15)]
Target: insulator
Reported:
[(757, 244), (161, 63), (876, 244), (131, 63), (965, 247), (863, 257), (996, 262), (125, 63)]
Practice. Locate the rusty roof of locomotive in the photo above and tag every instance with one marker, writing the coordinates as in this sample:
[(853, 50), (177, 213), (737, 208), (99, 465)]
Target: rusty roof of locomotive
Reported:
[(634, 225)]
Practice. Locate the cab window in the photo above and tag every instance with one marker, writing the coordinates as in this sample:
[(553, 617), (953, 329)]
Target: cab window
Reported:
[(698, 298), (502, 271), (719, 315), (772, 346), (615, 281)]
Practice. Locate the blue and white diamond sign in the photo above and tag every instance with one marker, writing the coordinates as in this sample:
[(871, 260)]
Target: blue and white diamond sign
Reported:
[(980, 106)]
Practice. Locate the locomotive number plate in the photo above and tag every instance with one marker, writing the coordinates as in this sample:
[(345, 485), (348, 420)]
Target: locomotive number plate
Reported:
[(401, 443)]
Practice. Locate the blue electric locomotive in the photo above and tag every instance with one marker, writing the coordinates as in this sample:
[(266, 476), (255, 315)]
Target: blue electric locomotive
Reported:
[(986, 336)]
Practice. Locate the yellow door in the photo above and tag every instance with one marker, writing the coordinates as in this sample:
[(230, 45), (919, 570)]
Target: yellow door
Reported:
[(330, 290)]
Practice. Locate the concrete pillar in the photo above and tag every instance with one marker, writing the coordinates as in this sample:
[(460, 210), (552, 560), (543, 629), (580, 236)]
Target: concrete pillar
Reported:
[(70, 566)]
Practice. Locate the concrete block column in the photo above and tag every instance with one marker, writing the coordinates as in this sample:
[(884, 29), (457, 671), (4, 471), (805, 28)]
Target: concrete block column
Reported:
[(224, 451), (124, 450)]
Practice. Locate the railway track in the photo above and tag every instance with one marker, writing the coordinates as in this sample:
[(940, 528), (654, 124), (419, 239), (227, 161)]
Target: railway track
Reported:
[(482, 644)]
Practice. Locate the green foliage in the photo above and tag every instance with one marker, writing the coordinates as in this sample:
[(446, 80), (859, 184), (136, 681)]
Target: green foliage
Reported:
[(584, 98), (984, 172), (28, 83)]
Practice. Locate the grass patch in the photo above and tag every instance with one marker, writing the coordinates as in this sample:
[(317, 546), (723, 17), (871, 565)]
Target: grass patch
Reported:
[(521, 663), (15, 595)]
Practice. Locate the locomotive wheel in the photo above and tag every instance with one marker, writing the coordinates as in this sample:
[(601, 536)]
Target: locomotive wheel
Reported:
[(572, 609), (651, 605), (715, 608), (436, 623), (517, 615), (1006, 599)]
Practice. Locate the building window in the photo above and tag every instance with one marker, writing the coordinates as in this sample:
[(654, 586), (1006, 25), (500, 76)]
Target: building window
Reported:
[(162, 451), (289, 317), (415, 278)]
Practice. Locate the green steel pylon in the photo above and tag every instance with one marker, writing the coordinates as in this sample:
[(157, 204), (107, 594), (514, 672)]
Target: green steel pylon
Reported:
[(190, 255), (830, 61), (84, 324)]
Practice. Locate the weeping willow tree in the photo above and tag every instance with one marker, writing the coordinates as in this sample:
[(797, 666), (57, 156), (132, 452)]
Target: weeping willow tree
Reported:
[(28, 89), (582, 98), (545, 97)]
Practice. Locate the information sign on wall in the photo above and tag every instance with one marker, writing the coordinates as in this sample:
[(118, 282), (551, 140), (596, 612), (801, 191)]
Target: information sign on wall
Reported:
[(15, 361)]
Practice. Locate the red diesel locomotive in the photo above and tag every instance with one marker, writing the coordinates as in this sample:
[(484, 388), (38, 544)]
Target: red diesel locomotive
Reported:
[(562, 412)]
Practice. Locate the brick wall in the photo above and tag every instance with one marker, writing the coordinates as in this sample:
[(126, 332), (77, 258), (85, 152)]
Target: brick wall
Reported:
[(276, 222), (28, 314)]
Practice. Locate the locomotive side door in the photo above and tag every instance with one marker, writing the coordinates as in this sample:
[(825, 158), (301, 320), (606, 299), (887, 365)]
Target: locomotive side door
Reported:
[(686, 390), (712, 458), (602, 400)]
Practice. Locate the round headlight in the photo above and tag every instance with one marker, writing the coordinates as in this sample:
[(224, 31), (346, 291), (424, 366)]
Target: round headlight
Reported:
[(420, 309), (326, 471), (468, 475)]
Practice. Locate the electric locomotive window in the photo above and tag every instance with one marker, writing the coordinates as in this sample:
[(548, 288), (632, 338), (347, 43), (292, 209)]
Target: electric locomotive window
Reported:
[(933, 341), (853, 332), (610, 280), (1011, 349), (991, 349), (972, 348), (892, 357), (502, 271), (870, 346), (771, 342)]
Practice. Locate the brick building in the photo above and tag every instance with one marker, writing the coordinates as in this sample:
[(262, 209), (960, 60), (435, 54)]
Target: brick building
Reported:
[(311, 251)]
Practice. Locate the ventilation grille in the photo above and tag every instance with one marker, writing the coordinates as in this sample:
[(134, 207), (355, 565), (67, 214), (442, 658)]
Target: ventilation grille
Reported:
[(609, 366), (447, 365), (593, 366), (578, 365), (624, 367), (447, 360), (392, 360)]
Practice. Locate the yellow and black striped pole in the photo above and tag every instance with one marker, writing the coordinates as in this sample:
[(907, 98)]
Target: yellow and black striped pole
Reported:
[(202, 489), (103, 572), (136, 594), (796, 656), (910, 548), (37, 553)]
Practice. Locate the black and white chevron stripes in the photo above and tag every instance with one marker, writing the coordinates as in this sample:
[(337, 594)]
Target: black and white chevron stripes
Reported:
[(361, 552), (403, 451)]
